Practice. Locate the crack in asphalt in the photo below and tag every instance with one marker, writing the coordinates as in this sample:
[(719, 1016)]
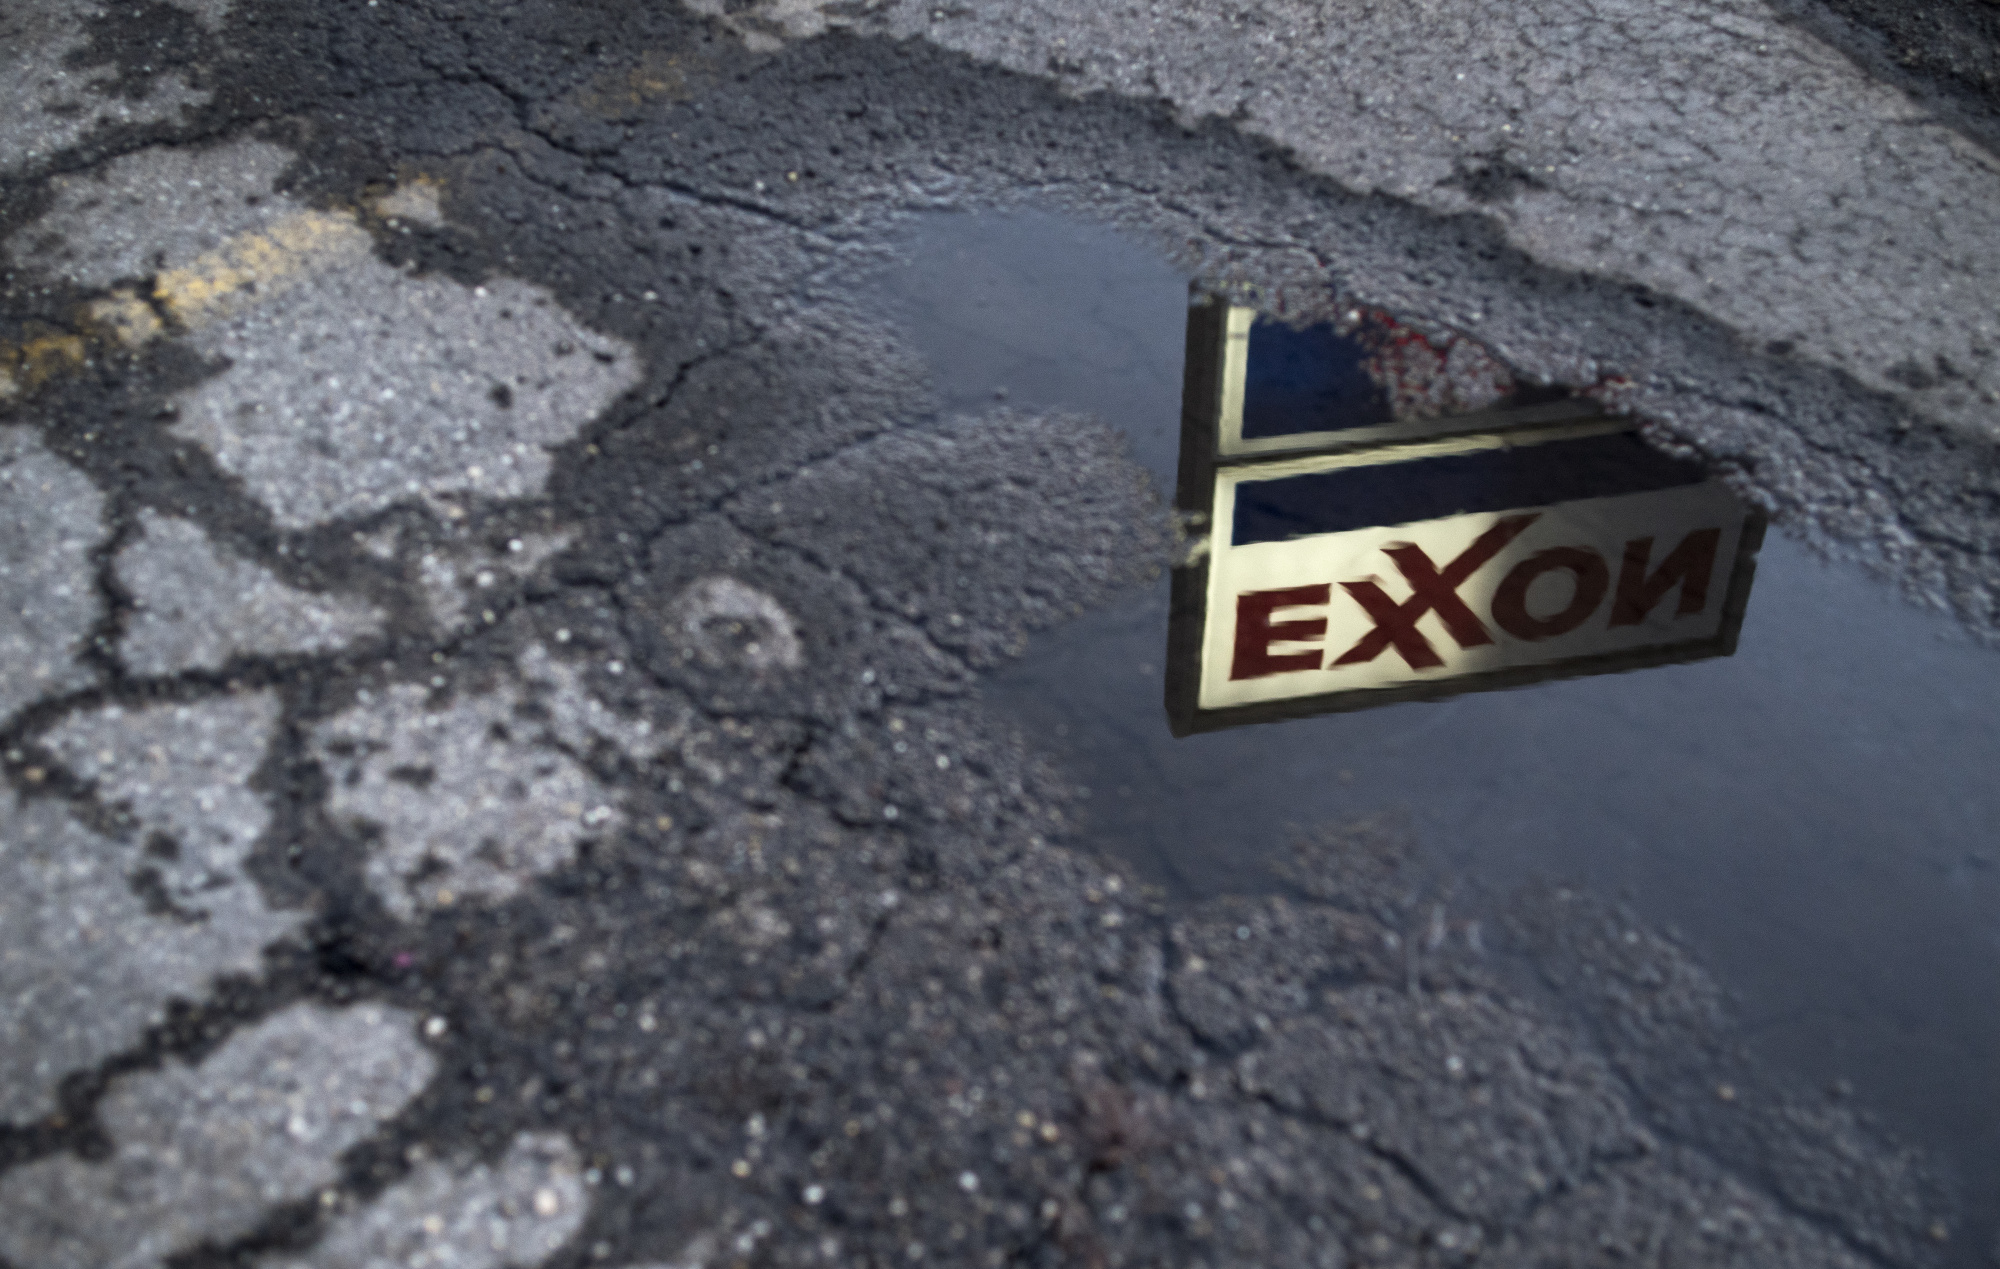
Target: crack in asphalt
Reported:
[(292, 783)]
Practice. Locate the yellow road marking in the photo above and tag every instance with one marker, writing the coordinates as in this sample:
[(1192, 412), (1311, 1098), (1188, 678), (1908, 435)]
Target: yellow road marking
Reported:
[(29, 365), (244, 271), (256, 266), (126, 318)]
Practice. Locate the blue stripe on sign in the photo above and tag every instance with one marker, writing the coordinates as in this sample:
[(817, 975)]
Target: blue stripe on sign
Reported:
[(1502, 479), (1307, 380)]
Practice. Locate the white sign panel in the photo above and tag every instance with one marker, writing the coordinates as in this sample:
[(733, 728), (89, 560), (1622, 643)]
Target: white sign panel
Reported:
[(1466, 594), (1367, 577)]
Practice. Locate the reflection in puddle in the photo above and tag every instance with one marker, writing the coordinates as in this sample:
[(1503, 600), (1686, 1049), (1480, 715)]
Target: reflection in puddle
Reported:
[(1356, 378), (1500, 538), (1815, 817)]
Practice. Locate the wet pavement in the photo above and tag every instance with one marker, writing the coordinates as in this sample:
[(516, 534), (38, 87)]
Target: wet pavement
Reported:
[(573, 658), (1813, 818)]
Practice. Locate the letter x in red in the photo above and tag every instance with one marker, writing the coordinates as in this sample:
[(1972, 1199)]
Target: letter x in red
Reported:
[(1430, 588)]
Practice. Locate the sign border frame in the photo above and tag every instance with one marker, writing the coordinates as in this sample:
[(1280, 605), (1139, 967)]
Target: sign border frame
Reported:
[(1202, 457)]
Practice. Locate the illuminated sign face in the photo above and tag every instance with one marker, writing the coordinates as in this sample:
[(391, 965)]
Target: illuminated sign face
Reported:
[(1424, 564)]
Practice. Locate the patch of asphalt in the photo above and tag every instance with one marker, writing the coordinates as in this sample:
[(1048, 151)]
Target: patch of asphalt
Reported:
[(458, 573), (1513, 1123), (1600, 137), (86, 967), (202, 1151), (792, 1040), (326, 382), (1860, 466), (1665, 1023), (57, 87), (859, 657), (923, 523), (1677, 1209), (158, 208), (511, 1216), (469, 798), (1945, 55), (195, 607), (180, 775), (102, 932), (1853, 465), (321, 412), (50, 522), (833, 984)]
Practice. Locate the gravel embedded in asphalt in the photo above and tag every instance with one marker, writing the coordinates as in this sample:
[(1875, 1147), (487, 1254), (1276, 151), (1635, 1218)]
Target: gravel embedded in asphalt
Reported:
[(494, 633)]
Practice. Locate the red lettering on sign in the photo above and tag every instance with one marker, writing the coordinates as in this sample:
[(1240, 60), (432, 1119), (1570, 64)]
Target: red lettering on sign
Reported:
[(1431, 588), (1255, 634), (1688, 565), (1510, 602)]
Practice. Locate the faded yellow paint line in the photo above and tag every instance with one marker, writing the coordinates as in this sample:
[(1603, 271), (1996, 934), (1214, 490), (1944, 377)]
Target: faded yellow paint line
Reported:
[(255, 266), (125, 318), (27, 366), (242, 272)]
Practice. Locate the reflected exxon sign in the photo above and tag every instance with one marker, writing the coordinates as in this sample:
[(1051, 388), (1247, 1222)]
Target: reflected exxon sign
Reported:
[(1356, 542)]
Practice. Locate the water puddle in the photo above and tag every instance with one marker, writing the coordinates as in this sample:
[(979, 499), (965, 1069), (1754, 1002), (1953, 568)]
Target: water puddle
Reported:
[(1815, 817)]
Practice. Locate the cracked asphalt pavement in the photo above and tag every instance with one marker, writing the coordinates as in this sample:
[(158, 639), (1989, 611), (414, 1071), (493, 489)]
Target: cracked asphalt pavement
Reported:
[(495, 767)]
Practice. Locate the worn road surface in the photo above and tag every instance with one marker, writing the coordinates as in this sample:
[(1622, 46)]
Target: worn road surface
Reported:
[(495, 765)]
